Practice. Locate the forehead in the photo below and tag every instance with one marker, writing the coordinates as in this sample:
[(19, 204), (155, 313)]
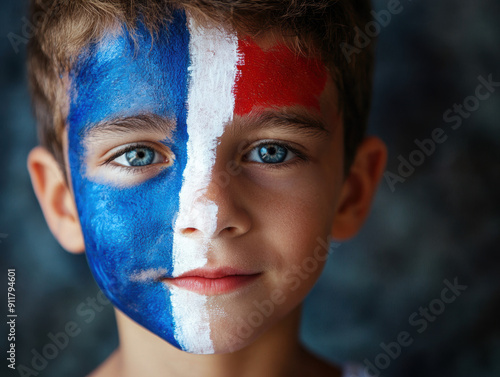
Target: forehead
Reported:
[(124, 76)]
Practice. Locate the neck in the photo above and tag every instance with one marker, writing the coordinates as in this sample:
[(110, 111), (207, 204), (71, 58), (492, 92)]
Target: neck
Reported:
[(276, 353)]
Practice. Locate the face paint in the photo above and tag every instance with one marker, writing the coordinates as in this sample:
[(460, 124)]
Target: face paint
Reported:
[(134, 235), (213, 70), (128, 240), (277, 78)]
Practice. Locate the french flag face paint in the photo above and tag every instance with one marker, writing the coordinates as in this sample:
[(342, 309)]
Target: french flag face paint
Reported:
[(190, 82)]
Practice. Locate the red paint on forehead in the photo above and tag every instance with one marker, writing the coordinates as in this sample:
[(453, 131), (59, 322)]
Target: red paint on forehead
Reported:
[(276, 78)]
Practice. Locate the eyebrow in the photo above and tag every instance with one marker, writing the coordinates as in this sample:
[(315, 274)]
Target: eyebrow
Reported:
[(149, 123), (298, 122)]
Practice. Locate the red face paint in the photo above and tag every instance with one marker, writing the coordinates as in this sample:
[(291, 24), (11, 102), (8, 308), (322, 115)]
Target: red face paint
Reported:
[(277, 78)]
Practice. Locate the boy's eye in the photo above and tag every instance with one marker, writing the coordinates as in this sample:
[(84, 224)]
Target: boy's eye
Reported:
[(270, 153), (139, 156)]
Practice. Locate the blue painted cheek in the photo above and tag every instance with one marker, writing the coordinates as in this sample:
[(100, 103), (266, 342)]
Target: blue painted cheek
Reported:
[(130, 230)]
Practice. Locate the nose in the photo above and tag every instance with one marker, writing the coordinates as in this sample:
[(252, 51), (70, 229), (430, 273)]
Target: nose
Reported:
[(213, 211)]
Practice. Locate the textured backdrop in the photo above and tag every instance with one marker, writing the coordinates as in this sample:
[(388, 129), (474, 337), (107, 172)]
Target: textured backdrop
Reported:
[(435, 219)]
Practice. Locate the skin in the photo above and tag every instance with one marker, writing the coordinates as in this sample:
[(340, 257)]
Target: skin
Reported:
[(283, 208)]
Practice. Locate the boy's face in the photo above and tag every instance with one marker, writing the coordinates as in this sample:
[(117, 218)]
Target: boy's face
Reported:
[(204, 170)]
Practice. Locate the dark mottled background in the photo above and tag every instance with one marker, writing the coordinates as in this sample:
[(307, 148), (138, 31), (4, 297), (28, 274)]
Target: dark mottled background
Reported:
[(441, 223)]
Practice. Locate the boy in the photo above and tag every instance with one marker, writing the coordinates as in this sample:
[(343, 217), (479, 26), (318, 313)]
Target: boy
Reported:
[(200, 153)]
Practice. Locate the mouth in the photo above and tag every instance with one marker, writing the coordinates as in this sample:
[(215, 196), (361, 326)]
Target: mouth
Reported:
[(212, 281)]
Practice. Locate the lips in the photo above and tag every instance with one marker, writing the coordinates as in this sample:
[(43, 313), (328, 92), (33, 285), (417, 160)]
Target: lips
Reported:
[(212, 281)]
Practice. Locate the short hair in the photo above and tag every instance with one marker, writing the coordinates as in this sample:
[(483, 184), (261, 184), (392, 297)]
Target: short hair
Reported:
[(316, 28)]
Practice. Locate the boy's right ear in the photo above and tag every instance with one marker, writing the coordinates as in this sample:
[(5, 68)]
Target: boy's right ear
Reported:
[(56, 199)]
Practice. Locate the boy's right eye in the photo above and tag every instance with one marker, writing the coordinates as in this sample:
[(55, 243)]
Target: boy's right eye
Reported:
[(135, 157), (138, 156), (128, 164)]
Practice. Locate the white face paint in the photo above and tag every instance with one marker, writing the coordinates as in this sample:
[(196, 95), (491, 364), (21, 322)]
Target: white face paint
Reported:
[(213, 70)]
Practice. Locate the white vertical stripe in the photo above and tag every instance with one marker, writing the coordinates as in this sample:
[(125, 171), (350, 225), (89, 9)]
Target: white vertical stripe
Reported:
[(192, 328), (213, 69)]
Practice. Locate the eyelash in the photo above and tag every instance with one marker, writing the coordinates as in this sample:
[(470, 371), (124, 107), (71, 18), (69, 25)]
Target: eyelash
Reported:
[(130, 169), (300, 157)]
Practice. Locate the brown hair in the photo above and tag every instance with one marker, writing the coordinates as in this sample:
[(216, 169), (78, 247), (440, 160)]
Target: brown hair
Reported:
[(309, 27)]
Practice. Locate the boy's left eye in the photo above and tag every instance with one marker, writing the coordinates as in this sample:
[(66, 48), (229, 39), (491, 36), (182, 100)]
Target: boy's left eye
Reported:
[(138, 156), (270, 153)]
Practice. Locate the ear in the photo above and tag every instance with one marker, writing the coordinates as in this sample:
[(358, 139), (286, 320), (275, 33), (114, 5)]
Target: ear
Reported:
[(359, 188), (56, 199)]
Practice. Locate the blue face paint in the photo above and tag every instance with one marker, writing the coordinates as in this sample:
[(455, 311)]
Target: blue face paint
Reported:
[(130, 230)]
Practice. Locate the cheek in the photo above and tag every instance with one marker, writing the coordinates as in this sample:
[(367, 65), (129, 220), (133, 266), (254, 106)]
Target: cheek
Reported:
[(295, 219), (296, 210), (299, 224), (122, 223), (127, 230)]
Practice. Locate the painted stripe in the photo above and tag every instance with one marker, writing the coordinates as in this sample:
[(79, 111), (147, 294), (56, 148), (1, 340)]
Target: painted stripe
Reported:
[(277, 77), (213, 70), (129, 229), (192, 321)]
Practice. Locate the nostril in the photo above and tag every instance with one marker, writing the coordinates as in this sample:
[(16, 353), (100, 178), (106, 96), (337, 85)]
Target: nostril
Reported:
[(230, 230), (188, 231)]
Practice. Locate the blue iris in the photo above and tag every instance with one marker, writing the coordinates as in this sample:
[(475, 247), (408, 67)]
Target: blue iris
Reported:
[(272, 153), (140, 156)]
